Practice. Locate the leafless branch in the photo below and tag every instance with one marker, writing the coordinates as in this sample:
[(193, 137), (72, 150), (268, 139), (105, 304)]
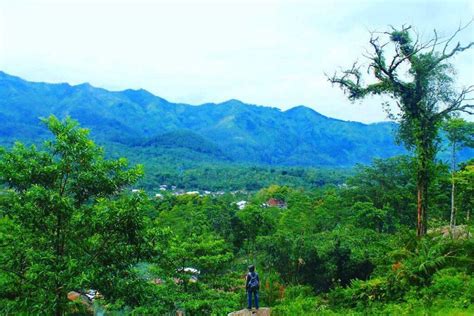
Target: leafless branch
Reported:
[(458, 48), (435, 41), (460, 28), (457, 104)]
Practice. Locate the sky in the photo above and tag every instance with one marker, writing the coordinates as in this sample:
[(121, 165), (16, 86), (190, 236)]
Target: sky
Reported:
[(272, 53)]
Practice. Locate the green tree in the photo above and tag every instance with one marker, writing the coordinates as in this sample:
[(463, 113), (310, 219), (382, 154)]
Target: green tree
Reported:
[(460, 134), (390, 184), (424, 95), (368, 216), (194, 268), (465, 181), (65, 222), (386, 183), (206, 252)]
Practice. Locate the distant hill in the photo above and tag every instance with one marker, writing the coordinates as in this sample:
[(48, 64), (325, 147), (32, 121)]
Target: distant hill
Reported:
[(184, 139), (228, 131)]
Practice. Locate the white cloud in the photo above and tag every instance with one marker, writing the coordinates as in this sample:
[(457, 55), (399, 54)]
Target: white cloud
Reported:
[(264, 52)]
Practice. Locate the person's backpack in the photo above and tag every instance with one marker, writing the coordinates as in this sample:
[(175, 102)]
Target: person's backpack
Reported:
[(253, 282)]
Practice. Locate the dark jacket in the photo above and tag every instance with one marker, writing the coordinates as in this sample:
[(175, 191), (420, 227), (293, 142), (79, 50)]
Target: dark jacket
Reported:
[(251, 275)]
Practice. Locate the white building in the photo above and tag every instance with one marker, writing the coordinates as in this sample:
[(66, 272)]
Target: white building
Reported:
[(241, 204)]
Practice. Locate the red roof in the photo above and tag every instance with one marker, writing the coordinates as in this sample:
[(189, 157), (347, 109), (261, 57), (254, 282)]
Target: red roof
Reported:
[(275, 202)]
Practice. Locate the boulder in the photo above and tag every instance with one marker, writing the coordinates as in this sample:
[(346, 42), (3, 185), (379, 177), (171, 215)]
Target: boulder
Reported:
[(264, 311), (456, 232)]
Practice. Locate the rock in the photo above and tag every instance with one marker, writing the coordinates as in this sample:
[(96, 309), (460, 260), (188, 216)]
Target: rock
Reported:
[(264, 311), (78, 297), (72, 296), (456, 232)]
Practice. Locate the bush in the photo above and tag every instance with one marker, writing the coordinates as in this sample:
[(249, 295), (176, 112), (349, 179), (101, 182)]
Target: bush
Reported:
[(299, 306), (294, 292), (359, 294), (450, 288)]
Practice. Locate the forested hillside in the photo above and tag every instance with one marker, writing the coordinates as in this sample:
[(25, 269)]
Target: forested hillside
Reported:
[(231, 145), (122, 203), (75, 239), (229, 131)]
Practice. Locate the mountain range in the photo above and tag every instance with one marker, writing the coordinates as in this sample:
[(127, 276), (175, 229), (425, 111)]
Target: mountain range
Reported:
[(231, 131)]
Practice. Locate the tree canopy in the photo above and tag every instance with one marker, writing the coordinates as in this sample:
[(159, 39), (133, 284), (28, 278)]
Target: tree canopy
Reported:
[(418, 77), (67, 221)]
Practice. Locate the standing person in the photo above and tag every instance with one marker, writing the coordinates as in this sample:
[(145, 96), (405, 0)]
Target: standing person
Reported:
[(252, 285)]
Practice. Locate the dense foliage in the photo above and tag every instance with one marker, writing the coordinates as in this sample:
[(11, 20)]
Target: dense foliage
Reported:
[(229, 131), (65, 223), (419, 77), (69, 222), (227, 146), (194, 172)]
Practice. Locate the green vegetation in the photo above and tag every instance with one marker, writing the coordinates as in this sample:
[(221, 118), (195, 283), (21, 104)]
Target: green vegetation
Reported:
[(232, 131), (82, 232), (195, 172), (460, 133), (418, 76), (64, 222), (69, 222)]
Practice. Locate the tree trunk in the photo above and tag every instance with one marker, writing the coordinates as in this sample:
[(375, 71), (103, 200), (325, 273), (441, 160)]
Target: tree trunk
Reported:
[(422, 201), (57, 308), (419, 222), (422, 214), (425, 203), (60, 295), (453, 209), (453, 169)]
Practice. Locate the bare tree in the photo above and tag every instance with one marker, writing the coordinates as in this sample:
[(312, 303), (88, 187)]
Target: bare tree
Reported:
[(418, 77)]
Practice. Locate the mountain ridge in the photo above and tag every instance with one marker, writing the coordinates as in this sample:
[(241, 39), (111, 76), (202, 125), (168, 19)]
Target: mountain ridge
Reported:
[(4, 75), (248, 133)]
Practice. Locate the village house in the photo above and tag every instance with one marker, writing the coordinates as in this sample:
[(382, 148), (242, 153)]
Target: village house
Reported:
[(272, 202), (241, 204)]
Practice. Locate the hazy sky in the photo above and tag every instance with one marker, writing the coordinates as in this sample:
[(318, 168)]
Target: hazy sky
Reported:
[(272, 53)]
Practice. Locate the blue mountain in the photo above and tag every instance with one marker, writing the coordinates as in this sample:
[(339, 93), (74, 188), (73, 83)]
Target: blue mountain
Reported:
[(229, 131)]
